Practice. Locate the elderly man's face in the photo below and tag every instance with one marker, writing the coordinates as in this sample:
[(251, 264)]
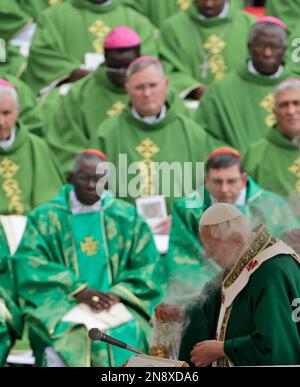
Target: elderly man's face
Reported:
[(147, 90), (287, 111), (8, 116), (225, 184), (267, 51), (210, 8), (223, 252)]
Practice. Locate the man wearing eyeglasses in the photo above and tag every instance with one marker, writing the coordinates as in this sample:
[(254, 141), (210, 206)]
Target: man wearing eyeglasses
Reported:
[(238, 109), (226, 181), (83, 253)]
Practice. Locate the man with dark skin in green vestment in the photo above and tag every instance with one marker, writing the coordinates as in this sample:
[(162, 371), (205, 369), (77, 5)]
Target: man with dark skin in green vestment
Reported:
[(95, 253), (73, 118), (238, 109), (249, 315)]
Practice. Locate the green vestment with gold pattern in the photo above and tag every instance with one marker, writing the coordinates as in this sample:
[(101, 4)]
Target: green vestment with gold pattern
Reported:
[(11, 323), (274, 162), (29, 175), (50, 266), (263, 327), (197, 51), (238, 109), (186, 256), (175, 139), (67, 32), (75, 117)]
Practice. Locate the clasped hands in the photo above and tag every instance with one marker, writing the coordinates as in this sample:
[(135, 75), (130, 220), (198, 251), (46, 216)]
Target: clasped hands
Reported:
[(97, 300)]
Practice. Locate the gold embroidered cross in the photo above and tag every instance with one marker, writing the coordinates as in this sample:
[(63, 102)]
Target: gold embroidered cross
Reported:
[(147, 148), (267, 104), (89, 246), (8, 168), (295, 167), (116, 109), (53, 2), (184, 4), (100, 30), (215, 44)]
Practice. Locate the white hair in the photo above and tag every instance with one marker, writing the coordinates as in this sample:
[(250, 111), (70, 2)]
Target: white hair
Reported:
[(8, 90), (225, 230), (138, 65), (289, 84)]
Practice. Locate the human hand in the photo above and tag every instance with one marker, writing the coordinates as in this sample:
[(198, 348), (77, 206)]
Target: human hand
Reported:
[(164, 226), (206, 352), (168, 313), (76, 75), (198, 92), (97, 300), (292, 238)]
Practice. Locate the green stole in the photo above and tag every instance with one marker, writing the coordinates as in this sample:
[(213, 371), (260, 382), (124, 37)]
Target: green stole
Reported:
[(94, 268)]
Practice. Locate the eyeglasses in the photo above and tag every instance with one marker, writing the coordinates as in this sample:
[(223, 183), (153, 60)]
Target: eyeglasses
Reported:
[(113, 70), (85, 179), (262, 46), (220, 182)]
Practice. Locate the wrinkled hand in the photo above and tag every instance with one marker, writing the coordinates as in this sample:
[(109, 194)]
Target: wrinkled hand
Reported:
[(198, 92), (167, 313), (206, 352), (163, 227), (98, 301), (292, 238)]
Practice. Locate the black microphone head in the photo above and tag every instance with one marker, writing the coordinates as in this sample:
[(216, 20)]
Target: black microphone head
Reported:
[(95, 334)]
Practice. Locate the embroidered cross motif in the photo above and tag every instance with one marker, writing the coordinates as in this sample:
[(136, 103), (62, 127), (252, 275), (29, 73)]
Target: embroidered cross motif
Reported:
[(89, 246), (252, 265), (184, 4), (116, 109), (147, 148), (53, 2), (295, 167), (267, 104), (99, 29), (215, 44), (8, 168)]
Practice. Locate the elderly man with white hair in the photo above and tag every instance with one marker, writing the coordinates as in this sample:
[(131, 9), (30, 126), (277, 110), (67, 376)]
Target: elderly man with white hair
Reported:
[(28, 173), (249, 316)]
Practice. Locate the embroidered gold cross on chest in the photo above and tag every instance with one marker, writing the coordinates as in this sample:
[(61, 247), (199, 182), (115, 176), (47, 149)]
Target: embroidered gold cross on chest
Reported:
[(213, 61), (116, 109), (89, 246), (99, 29), (8, 168), (147, 148), (267, 104), (215, 44), (184, 4)]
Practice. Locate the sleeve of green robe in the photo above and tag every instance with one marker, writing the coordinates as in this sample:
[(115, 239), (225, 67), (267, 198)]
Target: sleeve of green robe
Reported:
[(47, 61), (169, 53), (66, 130), (184, 241), (271, 295), (137, 283), (13, 18)]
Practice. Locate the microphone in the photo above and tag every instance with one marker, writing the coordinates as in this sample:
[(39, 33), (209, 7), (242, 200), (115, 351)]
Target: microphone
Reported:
[(96, 334)]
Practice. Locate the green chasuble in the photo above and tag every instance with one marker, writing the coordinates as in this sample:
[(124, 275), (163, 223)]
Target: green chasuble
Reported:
[(201, 51), (287, 11), (30, 112), (185, 257), (239, 108), (274, 162), (51, 267), (11, 323), (67, 32), (260, 329), (175, 139), (75, 117), (29, 175)]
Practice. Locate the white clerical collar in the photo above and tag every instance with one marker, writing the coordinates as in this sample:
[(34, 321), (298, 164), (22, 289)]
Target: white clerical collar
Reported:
[(221, 15), (5, 144), (253, 71), (151, 120), (240, 201), (79, 208)]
